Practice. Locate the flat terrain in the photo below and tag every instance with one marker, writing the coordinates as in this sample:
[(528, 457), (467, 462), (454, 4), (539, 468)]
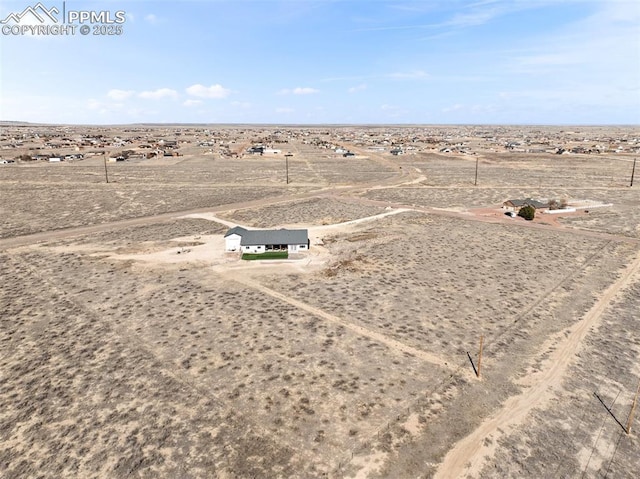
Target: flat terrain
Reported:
[(133, 346)]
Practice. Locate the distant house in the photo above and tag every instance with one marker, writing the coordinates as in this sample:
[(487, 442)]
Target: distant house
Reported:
[(168, 143), (261, 241), (256, 150), (515, 205)]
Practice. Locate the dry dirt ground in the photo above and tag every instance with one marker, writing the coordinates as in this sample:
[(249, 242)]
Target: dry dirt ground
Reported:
[(143, 350)]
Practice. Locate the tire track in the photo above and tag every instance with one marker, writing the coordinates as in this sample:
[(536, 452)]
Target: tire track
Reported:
[(393, 344), (469, 454)]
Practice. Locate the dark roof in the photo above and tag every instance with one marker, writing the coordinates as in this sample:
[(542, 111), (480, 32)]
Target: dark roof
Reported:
[(238, 230), (528, 201), (264, 237)]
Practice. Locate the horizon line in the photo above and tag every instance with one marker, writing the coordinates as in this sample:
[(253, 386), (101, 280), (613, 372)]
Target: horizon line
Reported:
[(297, 124)]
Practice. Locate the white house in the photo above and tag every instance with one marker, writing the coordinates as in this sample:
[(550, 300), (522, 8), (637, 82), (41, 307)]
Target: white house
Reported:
[(261, 241)]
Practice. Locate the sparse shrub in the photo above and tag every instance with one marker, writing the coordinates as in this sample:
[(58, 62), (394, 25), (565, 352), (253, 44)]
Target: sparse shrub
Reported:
[(527, 212)]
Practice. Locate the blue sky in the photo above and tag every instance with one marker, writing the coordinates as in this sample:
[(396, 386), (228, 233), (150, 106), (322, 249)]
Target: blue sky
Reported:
[(331, 61)]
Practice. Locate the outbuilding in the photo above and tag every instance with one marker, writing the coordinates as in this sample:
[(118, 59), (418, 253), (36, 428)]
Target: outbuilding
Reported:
[(232, 238)]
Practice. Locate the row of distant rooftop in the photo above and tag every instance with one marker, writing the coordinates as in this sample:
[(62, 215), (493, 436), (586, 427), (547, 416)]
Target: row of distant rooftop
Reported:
[(396, 140)]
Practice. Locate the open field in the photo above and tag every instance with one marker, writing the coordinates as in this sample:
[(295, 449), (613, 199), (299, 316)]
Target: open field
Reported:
[(312, 211), (48, 197), (509, 169), (141, 349), (622, 217), (304, 387), (576, 423)]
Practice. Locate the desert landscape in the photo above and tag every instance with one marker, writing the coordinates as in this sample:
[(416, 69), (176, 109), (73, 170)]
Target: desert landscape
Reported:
[(424, 334)]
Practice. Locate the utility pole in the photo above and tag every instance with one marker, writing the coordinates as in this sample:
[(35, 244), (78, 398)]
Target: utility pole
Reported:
[(633, 171), (633, 410), (475, 183), (286, 159), (480, 354), (106, 175)]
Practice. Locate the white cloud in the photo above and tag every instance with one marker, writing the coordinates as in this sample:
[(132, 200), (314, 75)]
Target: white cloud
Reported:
[(298, 91), (284, 110), (304, 91), (474, 18), (192, 102), (213, 91), (361, 87), (103, 107), (158, 94), (152, 19), (547, 59), (120, 95), (570, 69)]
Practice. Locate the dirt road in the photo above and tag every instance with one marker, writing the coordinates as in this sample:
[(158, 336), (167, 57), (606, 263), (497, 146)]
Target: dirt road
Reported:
[(16, 241), (467, 457), (394, 345), (342, 193)]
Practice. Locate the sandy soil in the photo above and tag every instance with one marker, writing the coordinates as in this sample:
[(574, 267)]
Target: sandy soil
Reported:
[(468, 456), (134, 346)]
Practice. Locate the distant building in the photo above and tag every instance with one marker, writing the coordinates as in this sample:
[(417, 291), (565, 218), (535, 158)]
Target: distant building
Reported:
[(168, 143), (515, 205), (262, 241), (256, 150)]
